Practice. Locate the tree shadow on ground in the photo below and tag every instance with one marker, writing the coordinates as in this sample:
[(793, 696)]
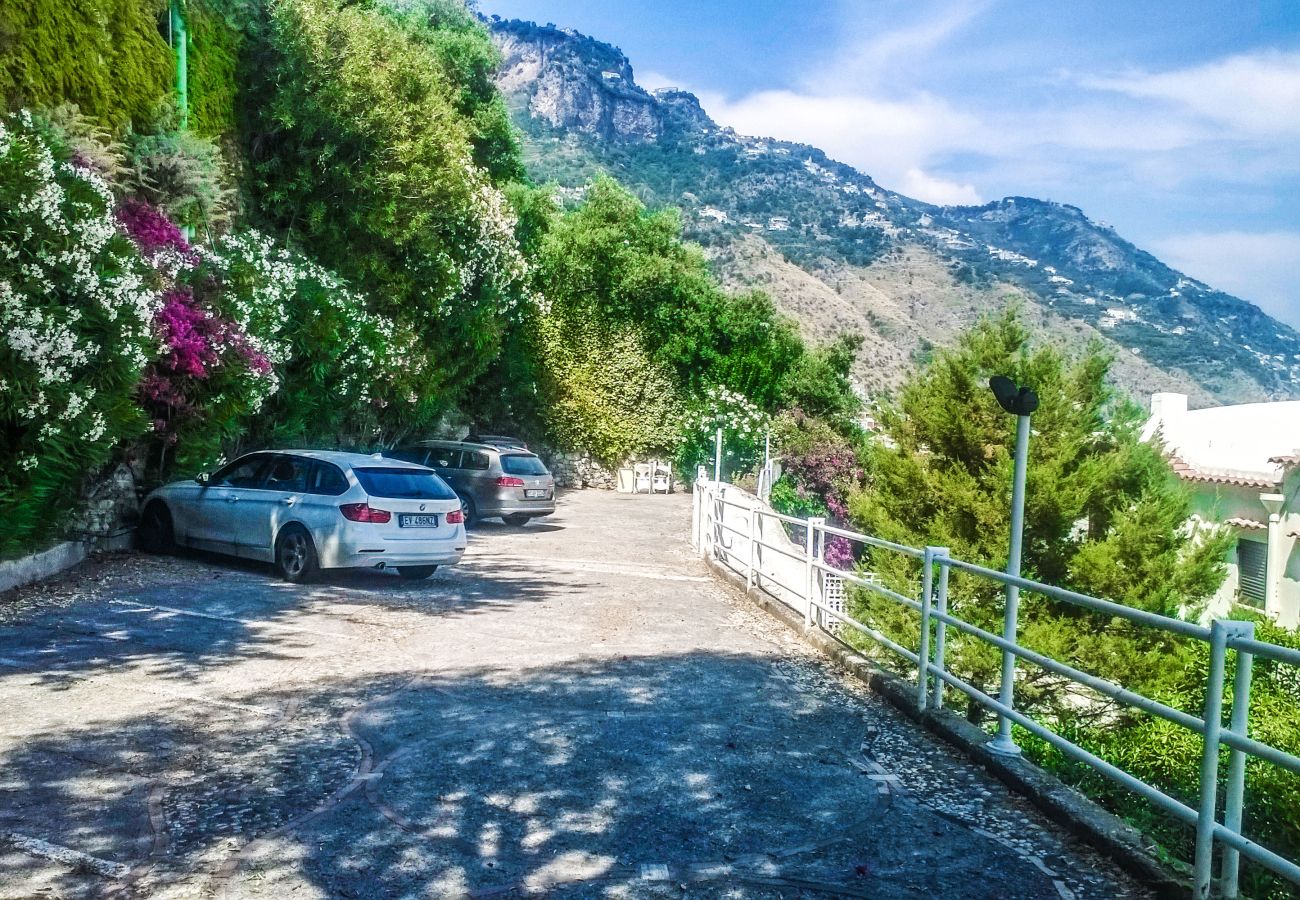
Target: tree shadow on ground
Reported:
[(636, 775), (186, 614)]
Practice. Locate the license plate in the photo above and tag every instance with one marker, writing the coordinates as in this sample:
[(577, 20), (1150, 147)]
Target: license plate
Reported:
[(535, 494), (405, 520)]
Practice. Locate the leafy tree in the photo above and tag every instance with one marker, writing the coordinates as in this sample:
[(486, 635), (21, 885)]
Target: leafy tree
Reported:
[(627, 264), (819, 384), (469, 59), (362, 153), (1104, 513)]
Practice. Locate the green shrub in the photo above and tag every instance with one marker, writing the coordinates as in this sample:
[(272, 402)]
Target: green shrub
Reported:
[(744, 428), (340, 372), (602, 393), (362, 156), (1168, 756), (215, 44), (106, 56), (180, 173), (76, 310)]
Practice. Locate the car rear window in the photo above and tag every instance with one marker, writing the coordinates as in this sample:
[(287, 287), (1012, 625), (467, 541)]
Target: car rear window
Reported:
[(522, 464), (415, 455), (327, 480), (403, 484)]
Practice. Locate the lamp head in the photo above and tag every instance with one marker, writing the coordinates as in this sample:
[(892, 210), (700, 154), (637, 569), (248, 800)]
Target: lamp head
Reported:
[(1014, 398)]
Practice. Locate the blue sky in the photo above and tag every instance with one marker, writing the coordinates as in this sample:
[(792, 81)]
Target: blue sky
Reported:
[(1176, 122)]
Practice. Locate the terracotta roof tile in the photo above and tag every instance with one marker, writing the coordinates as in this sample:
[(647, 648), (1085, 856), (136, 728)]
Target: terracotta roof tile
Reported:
[(1238, 522), (1188, 472)]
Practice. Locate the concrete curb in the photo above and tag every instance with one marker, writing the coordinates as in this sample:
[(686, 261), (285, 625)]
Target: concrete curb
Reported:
[(1130, 849), (15, 573)]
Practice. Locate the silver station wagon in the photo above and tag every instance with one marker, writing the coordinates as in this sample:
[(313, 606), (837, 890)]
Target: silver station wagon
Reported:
[(306, 510), (490, 480)]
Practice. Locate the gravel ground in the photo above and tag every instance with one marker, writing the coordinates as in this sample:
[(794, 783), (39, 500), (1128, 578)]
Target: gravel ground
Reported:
[(578, 710)]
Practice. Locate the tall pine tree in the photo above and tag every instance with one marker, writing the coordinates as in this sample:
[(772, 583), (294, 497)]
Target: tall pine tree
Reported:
[(1104, 514)]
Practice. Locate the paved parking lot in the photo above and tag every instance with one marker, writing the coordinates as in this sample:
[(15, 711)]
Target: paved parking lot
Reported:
[(577, 710)]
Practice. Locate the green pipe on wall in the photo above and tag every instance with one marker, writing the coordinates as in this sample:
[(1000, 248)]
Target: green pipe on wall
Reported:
[(180, 43)]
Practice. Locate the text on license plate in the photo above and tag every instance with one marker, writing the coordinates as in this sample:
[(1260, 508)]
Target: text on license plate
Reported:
[(535, 494), (405, 520)]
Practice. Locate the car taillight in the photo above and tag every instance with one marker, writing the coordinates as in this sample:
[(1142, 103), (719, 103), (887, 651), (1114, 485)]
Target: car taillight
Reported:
[(509, 481), (455, 517), (364, 512)]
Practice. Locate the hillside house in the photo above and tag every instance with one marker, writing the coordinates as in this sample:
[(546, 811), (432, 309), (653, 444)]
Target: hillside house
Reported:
[(1242, 464)]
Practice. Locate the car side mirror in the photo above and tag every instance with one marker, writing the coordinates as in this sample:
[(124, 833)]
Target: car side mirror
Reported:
[(203, 478)]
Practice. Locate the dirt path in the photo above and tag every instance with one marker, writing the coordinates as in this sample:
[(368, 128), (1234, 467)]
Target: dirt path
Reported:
[(577, 710)]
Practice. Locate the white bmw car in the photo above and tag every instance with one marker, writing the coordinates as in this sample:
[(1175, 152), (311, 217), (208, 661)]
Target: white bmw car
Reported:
[(306, 510)]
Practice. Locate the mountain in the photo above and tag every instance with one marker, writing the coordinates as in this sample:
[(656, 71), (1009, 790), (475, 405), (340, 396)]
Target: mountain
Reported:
[(839, 252)]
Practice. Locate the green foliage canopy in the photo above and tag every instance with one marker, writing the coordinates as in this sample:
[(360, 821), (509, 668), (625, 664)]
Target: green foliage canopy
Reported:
[(361, 154), (1103, 513), (617, 260), (106, 56)]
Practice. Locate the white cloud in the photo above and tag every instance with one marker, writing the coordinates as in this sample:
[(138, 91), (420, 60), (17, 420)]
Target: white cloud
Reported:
[(938, 190), (925, 111), (653, 81), (1257, 93), (1262, 267), (879, 55), (887, 139)]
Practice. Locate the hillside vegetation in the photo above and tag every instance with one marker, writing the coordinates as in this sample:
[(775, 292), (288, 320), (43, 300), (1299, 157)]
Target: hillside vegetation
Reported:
[(899, 267), (341, 248)]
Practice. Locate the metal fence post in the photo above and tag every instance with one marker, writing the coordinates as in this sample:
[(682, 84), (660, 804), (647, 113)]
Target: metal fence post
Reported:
[(923, 648), (808, 550), (711, 520), (816, 544), (1205, 820), (1240, 723), (701, 495), (940, 626), (695, 515), (752, 534)]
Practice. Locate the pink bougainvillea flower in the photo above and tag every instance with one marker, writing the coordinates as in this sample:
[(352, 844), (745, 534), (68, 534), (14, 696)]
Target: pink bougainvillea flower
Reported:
[(152, 231)]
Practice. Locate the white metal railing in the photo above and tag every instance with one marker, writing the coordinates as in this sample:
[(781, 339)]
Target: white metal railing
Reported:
[(743, 533)]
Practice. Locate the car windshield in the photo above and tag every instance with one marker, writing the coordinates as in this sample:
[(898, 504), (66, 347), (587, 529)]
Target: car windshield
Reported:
[(403, 484), (522, 464)]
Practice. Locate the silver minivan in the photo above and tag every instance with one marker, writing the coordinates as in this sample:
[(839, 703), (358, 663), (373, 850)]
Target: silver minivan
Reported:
[(491, 481)]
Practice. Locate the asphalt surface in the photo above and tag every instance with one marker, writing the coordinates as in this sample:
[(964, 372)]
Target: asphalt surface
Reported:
[(577, 710)]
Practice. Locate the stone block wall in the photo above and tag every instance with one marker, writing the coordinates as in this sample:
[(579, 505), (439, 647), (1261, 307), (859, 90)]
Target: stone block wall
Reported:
[(111, 503), (578, 470)]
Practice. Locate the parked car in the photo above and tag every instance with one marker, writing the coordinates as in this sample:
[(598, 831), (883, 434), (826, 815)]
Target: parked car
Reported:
[(500, 441), (306, 510), (490, 481)]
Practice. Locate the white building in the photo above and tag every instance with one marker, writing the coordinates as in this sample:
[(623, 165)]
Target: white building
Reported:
[(1243, 466)]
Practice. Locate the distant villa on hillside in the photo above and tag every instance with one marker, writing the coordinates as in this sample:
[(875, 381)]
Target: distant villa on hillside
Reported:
[(1243, 466)]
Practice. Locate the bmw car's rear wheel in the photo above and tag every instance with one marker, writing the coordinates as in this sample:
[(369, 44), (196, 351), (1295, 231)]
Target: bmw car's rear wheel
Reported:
[(416, 573), (295, 555), (156, 532)]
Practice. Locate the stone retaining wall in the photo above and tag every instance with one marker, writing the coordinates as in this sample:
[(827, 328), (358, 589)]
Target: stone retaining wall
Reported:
[(111, 504), (106, 520), (578, 470)]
